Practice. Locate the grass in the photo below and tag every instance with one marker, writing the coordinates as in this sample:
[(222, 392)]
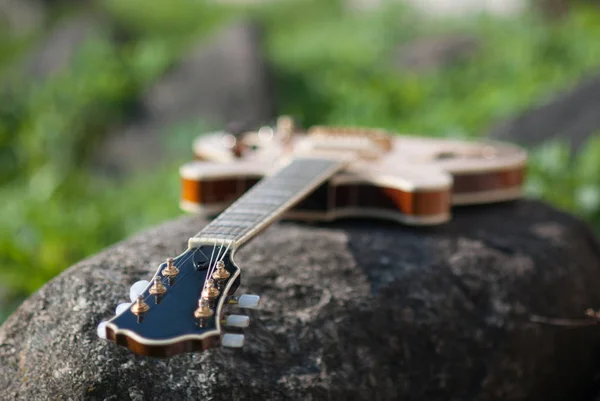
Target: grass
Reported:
[(331, 67)]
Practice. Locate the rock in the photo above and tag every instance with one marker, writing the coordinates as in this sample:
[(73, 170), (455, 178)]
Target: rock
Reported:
[(572, 116), (435, 52), (219, 80), (350, 311), (57, 50), (553, 9), (19, 18)]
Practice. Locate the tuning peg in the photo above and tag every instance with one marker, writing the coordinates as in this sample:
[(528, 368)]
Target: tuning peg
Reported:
[(122, 307), (171, 271), (158, 287), (237, 321), (137, 289), (233, 340), (101, 330), (245, 301)]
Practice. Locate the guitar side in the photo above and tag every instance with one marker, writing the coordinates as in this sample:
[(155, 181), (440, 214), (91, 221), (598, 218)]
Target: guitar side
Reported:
[(208, 191)]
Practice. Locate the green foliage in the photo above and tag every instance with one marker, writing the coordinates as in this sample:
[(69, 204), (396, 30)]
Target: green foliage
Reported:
[(48, 129), (571, 182), (350, 78), (40, 236), (55, 210), (173, 20), (332, 67)]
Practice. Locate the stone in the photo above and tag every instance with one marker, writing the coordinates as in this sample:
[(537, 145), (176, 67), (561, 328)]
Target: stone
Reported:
[(53, 54), (352, 310), (219, 80), (571, 116), (19, 18), (435, 52), (223, 79)]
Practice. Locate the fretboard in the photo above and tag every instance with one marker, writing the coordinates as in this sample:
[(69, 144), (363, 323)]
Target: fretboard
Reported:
[(267, 201)]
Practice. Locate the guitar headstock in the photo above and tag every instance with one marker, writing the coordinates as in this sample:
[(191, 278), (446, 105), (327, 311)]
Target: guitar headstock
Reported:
[(182, 308)]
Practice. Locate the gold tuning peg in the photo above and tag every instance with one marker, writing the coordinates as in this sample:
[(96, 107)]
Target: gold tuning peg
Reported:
[(221, 274), (170, 271), (203, 312), (157, 287), (210, 292), (139, 307)]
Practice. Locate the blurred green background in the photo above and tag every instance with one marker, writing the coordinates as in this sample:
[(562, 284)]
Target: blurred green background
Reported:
[(330, 65)]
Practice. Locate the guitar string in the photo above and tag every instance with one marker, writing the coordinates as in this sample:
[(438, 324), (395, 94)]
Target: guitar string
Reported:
[(211, 269), (210, 263), (166, 279), (209, 273), (217, 260), (190, 270), (219, 257)]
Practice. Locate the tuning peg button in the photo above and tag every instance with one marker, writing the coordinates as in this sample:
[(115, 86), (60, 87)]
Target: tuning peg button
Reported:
[(137, 289), (248, 301), (101, 330), (237, 321), (122, 307), (233, 340)]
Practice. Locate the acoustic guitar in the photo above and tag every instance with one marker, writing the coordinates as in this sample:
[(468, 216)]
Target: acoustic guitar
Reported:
[(327, 173)]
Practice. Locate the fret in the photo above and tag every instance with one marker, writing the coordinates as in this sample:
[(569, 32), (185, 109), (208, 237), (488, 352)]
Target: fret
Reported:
[(217, 238), (235, 224), (242, 216), (246, 212), (222, 231), (261, 203), (267, 200), (276, 192)]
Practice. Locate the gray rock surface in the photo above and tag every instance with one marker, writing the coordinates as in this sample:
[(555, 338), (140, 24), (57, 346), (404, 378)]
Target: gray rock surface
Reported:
[(221, 79), (571, 116), (53, 54), (350, 311), (435, 52), (19, 18)]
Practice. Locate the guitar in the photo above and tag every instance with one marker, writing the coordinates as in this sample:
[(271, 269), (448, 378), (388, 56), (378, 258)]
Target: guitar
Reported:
[(327, 173)]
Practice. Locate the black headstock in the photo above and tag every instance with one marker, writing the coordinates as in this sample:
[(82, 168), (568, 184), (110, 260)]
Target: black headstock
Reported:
[(181, 308)]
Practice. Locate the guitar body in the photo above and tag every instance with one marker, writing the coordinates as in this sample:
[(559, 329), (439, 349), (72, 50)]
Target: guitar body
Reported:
[(415, 182)]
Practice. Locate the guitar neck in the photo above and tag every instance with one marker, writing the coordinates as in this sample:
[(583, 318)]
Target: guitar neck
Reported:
[(267, 201)]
